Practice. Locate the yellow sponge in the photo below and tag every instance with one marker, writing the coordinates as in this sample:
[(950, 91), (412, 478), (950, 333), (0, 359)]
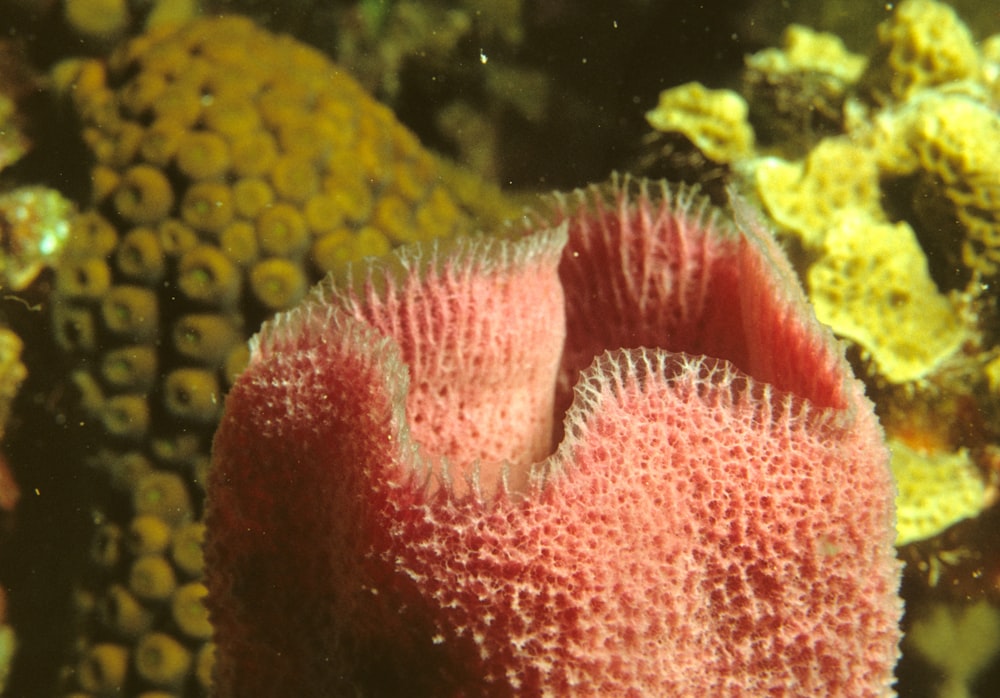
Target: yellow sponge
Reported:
[(803, 197), (872, 286), (923, 44), (715, 121), (934, 491)]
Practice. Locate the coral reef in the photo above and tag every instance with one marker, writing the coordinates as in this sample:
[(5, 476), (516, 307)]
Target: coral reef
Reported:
[(221, 191), (381, 42), (715, 522), (923, 151), (893, 220), (33, 218), (534, 95), (96, 26), (907, 158)]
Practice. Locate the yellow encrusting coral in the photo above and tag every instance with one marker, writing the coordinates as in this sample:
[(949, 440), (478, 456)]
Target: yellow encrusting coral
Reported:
[(205, 275), (188, 611), (122, 613), (84, 279), (163, 494), (205, 338), (152, 578), (131, 313), (202, 155), (277, 284), (147, 535), (192, 394), (126, 417), (103, 669)]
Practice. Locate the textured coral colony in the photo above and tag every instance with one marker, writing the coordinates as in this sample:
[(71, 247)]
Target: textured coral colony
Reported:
[(173, 174)]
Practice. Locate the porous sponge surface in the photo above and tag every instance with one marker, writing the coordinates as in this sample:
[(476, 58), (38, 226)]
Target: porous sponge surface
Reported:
[(698, 531), (491, 305)]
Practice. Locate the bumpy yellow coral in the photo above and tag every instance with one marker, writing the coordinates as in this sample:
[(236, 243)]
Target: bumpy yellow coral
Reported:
[(226, 159), (162, 661), (99, 20), (934, 491), (144, 195), (872, 286), (923, 44), (188, 611), (103, 668), (715, 121)]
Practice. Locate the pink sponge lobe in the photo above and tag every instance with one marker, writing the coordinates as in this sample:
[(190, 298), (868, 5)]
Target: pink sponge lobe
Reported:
[(664, 269), (387, 517)]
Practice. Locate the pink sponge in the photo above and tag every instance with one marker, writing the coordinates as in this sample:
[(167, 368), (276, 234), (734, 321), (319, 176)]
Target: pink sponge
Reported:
[(716, 520)]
